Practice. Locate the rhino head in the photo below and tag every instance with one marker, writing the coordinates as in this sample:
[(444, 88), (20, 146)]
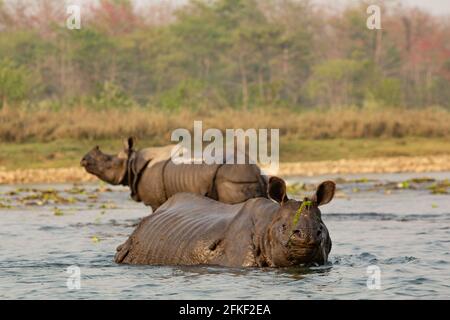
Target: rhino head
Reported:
[(297, 234), (109, 168)]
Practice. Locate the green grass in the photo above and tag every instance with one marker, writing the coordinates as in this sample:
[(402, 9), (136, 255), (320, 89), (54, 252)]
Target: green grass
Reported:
[(335, 149), (56, 154), (67, 153)]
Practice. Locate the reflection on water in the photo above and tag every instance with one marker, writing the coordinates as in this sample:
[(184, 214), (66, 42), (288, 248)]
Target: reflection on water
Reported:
[(405, 232)]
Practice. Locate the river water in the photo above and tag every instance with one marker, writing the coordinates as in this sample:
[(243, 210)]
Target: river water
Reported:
[(381, 222)]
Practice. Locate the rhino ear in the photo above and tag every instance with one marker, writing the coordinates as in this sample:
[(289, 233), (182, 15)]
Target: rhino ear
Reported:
[(277, 190), (128, 144), (324, 193)]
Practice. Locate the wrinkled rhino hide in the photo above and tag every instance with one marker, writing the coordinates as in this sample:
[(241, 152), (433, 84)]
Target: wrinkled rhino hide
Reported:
[(238, 183), (157, 178), (190, 229)]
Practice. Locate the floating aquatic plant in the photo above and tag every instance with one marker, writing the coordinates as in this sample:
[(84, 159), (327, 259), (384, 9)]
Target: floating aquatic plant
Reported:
[(58, 212), (440, 187), (42, 197), (108, 206), (93, 196), (76, 190), (5, 206), (422, 180), (404, 185), (341, 180), (296, 188)]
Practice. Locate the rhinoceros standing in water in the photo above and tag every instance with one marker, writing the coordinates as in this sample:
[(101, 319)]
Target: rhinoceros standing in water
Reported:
[(153, 177), (190, 229)]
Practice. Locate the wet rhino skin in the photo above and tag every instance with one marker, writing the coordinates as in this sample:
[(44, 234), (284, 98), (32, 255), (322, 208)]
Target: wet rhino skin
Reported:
[(189, 229)]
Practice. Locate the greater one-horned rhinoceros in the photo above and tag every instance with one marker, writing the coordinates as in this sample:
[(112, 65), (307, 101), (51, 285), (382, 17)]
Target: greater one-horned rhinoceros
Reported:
[(153, 177), (190, 229)]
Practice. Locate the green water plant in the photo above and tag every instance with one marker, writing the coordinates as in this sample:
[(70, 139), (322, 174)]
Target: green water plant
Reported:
[(440, 187), (5, 206), (404, 185), (296, 188), (58, 212), (305, 204)]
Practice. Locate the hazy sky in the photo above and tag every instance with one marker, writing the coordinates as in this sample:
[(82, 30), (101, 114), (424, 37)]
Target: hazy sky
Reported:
[(434, 6)]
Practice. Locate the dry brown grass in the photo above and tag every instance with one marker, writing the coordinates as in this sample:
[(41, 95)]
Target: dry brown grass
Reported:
[(20, 125)]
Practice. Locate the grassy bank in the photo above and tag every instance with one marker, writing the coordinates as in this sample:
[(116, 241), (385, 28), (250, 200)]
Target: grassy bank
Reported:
[(67, 153), (30, 125), (31, 138)]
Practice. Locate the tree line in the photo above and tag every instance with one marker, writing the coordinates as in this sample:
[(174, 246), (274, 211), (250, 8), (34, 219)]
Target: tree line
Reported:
[(222, 53)]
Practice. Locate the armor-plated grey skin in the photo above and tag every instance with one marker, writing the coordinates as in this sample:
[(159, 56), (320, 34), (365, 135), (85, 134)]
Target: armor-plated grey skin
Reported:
[(153, 177), (193, 230)]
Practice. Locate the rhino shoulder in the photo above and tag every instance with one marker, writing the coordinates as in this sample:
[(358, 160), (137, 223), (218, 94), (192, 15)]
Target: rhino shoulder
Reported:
[(249, 225), (197, 205)]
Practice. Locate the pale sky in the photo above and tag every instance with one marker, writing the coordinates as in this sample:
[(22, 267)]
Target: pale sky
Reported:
[(438, 7), (434, 6)]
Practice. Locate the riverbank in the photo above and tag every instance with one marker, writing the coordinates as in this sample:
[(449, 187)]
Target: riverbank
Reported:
[(308, 168), (58, 160), (374, 165)]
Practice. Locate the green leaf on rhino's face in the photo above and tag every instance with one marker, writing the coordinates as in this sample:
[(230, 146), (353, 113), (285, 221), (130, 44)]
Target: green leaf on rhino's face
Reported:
[(305, 204)]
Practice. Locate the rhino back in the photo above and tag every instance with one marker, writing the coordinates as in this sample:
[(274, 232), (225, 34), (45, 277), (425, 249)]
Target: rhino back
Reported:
[(162, 178), (239, 182), (189, 229), (196, 178), (182, 231)]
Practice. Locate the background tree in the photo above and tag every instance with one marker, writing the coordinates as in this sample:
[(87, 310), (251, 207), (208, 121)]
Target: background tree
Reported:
[(13, 82), (223, 53)]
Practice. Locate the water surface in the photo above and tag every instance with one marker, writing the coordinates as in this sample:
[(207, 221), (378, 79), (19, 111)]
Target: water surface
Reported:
[(403, 229)]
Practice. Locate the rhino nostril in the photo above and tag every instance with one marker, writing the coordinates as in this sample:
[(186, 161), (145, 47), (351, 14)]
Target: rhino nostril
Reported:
[(319, 232), (297, 233)]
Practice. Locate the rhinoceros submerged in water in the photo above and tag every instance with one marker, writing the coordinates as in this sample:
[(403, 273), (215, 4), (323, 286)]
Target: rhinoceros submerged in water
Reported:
[(190, 230), (153, 177)]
